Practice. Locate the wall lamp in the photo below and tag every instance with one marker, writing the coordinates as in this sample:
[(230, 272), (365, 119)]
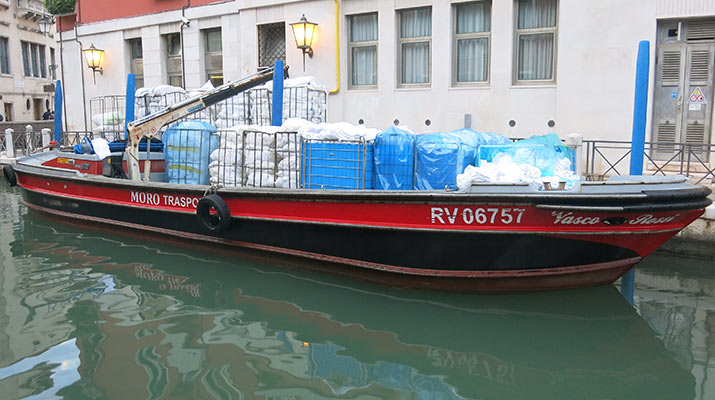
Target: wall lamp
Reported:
[(45, 24), (304, 33), (94, 57)]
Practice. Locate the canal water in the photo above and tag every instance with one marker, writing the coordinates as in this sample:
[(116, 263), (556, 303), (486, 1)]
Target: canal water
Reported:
[(93, 314)]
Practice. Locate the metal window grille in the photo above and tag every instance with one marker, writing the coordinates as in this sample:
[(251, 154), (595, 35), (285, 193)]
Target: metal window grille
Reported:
[(271, 44)]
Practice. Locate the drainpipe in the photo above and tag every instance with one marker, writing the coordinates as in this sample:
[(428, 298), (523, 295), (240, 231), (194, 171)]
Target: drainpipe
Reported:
[(181, 38), (62, 65), (84, 96), (337, 48)]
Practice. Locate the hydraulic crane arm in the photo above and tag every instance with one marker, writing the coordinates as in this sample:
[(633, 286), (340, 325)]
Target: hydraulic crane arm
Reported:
[(149, 125)]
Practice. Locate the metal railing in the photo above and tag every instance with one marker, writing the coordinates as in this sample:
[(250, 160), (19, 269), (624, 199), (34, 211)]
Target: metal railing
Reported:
[(609, 157), (21, 143)]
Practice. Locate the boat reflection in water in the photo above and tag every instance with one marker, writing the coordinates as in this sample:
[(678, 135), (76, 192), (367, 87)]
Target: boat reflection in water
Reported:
[(164, 322)]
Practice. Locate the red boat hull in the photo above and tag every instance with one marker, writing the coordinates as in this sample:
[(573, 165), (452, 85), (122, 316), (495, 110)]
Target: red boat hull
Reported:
[(458, 241)]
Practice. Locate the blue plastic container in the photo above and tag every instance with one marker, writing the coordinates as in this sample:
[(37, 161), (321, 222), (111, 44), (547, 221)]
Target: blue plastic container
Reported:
[(394, 159), (540, 151), (337, 164), (187, 147), (439, 158)]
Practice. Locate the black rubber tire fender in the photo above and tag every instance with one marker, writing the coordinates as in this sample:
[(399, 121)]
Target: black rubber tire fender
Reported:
[(9, 174), (213, 222)]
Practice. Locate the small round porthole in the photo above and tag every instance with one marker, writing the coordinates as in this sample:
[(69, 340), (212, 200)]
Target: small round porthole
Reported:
[(551, 123), (428, 122), (396, 122), (512, 123), (361, 121)]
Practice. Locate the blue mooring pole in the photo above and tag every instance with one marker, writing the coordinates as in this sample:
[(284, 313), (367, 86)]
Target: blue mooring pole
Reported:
[(640, 111), (129, 102), (277, 111), (58, 113)]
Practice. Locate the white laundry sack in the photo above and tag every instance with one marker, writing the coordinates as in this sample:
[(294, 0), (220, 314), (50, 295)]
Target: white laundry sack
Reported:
[(108, 118), (259, 178)]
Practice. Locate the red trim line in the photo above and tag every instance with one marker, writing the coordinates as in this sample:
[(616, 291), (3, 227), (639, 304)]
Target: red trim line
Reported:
[(387, 225)]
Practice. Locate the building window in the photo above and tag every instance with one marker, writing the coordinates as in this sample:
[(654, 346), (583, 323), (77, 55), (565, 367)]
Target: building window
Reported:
[(173, 44), (34, 60), (214, 56), (53, 64), (4, 56), (415, 37), (271, 44), (536, 40), (363, 50), (472, 25), (173, 60), (136, 55)]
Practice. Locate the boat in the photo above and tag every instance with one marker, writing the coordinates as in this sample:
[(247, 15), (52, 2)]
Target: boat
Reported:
[(491, 237)]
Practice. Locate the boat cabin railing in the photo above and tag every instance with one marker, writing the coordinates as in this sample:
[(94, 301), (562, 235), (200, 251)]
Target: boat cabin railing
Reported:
[(604, 158)]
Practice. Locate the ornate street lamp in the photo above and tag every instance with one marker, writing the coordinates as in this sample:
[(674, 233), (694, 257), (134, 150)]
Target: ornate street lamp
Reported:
[(45, 24), (304, 33), (94, 57)]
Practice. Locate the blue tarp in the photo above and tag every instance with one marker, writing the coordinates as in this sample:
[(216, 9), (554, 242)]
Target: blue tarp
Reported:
[(187, 147), (440, 157), (540, 151), (394, 159)]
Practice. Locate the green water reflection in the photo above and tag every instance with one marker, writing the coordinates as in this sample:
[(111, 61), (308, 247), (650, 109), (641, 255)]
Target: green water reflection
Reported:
[(92, 314)]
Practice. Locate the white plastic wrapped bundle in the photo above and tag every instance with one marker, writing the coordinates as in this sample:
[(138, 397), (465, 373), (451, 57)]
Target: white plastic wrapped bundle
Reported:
[(109, 132), (287, 142), (338, 131), (232, 111), (227, 178), (257, 140), (296, 124), (108, 118), (225, 167), (289, 164), (262, 157), (259, 178), (503, 169), (287, 178), (260, 106), (227, 155), (303, 97), (231, 138), (151, 100)]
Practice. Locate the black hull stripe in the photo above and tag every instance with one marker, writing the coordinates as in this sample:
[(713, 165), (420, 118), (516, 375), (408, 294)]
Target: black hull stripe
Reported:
[(445, 251)]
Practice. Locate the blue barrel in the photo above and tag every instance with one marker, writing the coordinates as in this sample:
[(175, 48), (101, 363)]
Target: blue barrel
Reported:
[(394, 159)]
